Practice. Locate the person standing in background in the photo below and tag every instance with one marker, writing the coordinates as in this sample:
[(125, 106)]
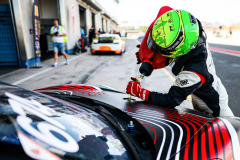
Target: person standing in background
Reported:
[(82, 32), (230, 32), (92, 34), (82, 38), (58, 33), (99, 31)]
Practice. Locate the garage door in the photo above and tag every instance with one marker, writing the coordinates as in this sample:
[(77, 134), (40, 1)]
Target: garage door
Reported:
[(8, 51)]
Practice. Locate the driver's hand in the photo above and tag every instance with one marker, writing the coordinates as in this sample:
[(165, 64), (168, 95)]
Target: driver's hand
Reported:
[(134, 88)]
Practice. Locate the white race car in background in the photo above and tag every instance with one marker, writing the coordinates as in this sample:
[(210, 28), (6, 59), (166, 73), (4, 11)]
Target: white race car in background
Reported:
[(108, 43)]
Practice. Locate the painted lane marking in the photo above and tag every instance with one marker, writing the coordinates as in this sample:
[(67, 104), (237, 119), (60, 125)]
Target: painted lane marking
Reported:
[(225, 51), (168, 74), (29, 77), (10, 73), (44, 71)]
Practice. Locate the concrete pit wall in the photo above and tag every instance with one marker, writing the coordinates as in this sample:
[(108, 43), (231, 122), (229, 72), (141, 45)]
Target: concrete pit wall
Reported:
[(71, 25), (23, 20)]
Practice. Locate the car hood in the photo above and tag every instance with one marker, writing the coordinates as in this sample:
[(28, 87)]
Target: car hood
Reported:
[(48, 127), (178, 133), (170, 129)]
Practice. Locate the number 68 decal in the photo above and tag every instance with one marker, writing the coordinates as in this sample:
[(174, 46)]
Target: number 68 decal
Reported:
[(43, 133)]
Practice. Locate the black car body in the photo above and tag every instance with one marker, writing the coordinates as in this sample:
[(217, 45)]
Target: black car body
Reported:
[(91, 122)]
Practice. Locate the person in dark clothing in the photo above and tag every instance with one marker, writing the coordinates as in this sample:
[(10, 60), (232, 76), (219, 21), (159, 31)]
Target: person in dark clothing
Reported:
[(92, 34), (82, 39), (230, 32), (178, 35), (119, 34), (99, 31)]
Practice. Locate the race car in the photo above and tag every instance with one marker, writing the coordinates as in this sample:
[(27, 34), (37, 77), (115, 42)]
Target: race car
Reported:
[(98, 122), (108, 43)]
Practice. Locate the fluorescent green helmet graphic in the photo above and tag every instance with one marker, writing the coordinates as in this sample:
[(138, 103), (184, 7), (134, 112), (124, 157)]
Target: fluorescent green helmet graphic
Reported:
[(174, 34)]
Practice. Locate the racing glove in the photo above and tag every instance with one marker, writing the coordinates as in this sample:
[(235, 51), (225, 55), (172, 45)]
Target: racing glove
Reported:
[(134, 88)]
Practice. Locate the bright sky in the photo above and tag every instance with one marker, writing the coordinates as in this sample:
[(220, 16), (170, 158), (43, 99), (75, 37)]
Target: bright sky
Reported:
[(143, 12)]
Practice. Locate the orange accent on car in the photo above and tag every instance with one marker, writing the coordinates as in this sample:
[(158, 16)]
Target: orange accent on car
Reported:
[(104, 48), (117, 52), (36, 151)]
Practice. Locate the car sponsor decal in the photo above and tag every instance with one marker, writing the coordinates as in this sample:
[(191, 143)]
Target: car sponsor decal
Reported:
[(234, 138), (33, 149), (185, 135), (75, 90), (44, 128), (162, 121), (144, 94)]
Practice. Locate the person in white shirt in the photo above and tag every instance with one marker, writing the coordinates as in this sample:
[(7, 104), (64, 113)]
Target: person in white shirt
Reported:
[(58, 33)]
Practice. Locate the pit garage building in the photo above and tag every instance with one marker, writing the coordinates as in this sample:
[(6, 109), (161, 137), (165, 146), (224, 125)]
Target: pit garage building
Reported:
[(16, 41)]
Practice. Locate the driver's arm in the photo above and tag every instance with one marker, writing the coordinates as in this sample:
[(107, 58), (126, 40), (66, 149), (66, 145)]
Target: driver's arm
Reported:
[(186, 83)]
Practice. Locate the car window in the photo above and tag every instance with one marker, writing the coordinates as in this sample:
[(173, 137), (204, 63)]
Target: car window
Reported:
[(106, 39)]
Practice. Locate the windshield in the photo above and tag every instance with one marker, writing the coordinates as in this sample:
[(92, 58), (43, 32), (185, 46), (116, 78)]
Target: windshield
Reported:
[(58, 126), (107, 38)]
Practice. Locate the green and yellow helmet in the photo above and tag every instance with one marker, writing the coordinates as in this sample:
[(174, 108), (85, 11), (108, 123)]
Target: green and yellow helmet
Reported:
[(174, 34)]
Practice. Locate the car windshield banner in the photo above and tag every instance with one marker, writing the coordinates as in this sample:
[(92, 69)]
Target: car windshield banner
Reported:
[(36, 27)]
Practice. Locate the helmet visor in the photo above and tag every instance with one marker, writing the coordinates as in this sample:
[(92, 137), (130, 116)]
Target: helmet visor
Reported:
[(168, 52), (156, 48)]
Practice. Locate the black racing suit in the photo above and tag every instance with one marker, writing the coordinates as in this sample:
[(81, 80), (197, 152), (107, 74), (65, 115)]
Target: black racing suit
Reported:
[(209, 97)]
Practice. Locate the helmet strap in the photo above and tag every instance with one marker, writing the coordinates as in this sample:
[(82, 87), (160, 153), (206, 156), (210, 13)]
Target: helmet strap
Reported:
[(201, 39), (200, 28)]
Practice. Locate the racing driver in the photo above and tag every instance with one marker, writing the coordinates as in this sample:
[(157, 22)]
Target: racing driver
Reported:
[(178, 35)]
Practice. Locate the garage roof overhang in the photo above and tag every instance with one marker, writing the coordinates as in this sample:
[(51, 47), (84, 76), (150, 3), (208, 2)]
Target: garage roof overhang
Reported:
[(93, 4), (106, 15), (114, 21)]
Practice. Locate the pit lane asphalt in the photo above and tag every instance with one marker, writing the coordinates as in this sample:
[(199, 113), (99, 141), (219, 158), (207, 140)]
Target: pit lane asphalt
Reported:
[(110, 70), (115, 71), (228, 70)]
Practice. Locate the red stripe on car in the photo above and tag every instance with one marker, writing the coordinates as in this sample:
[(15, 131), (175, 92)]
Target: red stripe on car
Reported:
[(155, 134)]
